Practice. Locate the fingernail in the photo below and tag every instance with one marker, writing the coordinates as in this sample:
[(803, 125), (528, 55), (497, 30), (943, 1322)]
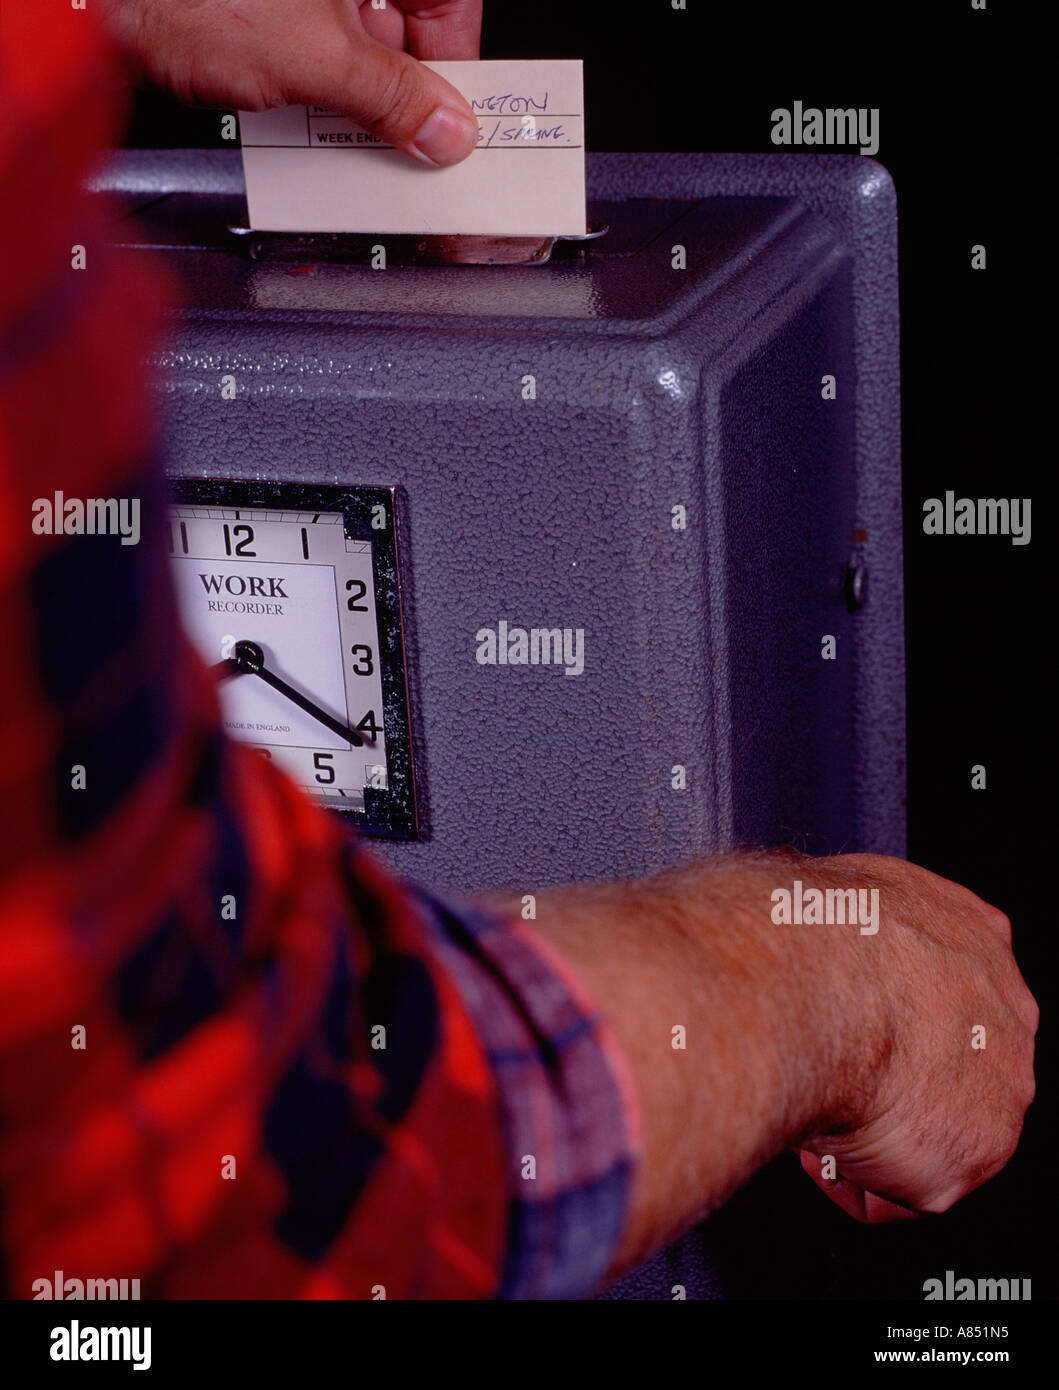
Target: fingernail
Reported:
[(445, 137)]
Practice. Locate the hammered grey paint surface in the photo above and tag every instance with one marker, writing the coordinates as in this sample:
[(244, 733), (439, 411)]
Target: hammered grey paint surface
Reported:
[(654, 387)]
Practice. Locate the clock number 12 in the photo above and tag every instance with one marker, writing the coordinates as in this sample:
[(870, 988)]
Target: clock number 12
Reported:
[(241, 546)]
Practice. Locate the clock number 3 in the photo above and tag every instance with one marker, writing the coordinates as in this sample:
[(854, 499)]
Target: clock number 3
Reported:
[(364, 665)]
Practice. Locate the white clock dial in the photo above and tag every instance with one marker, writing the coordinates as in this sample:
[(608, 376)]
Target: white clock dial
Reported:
[(293, 585)]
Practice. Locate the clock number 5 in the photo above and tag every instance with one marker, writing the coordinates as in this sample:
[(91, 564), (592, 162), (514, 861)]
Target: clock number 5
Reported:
[(321, 761)]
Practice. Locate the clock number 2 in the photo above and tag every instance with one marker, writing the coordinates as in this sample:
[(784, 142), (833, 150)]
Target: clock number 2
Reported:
[(241, 546), (352, 603)]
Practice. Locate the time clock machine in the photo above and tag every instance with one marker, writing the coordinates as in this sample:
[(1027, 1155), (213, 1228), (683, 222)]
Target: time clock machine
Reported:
[(669, 456), (291, 593)]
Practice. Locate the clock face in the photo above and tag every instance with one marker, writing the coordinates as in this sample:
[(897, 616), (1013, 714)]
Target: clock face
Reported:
[(290, 595)]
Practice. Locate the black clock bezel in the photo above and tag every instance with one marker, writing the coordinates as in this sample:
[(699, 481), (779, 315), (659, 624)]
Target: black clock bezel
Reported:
[(389, 813)]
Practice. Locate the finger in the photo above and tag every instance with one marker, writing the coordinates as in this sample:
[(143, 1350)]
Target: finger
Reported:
[(443, 31), (385, 25), (390, 94)]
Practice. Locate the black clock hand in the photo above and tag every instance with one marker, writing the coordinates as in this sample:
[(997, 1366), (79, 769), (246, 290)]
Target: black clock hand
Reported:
[(249, 658)]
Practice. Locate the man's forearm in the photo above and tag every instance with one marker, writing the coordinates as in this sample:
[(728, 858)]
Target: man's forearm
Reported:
[(764, 1056)]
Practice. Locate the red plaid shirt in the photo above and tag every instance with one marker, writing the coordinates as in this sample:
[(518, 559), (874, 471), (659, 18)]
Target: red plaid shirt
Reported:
[(188, 1100)]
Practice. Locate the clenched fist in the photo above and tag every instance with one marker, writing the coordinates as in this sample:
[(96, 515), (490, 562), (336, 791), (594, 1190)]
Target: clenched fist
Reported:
[(864, 1047), (935, 1117)]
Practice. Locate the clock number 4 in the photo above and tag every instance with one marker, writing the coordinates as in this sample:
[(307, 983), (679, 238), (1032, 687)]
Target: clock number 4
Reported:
[(368, 725)]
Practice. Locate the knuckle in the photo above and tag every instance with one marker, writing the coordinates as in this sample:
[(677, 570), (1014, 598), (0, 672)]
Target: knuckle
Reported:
[(1014, 1136), (998, 922), (1005, 1139), (263, 96), (270, 96), (398, 96), (1028, 1094), (1031, 1011), (941, 1202)]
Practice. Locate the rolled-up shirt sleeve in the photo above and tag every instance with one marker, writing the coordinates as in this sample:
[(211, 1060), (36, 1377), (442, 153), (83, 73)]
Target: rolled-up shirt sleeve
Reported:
[(239, 1057), (567, 1102)]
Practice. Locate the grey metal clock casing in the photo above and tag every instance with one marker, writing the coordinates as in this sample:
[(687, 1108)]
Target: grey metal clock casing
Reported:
[(656, 388)]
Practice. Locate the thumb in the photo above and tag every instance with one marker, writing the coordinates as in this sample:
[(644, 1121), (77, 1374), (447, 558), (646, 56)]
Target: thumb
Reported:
[(393, 96), (855, 1201)]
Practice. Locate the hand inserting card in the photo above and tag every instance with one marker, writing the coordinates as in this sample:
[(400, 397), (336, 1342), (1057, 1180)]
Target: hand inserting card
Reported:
[(310, 169)]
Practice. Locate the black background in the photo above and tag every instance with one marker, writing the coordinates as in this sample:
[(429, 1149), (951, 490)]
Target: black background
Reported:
[(955, 116)]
